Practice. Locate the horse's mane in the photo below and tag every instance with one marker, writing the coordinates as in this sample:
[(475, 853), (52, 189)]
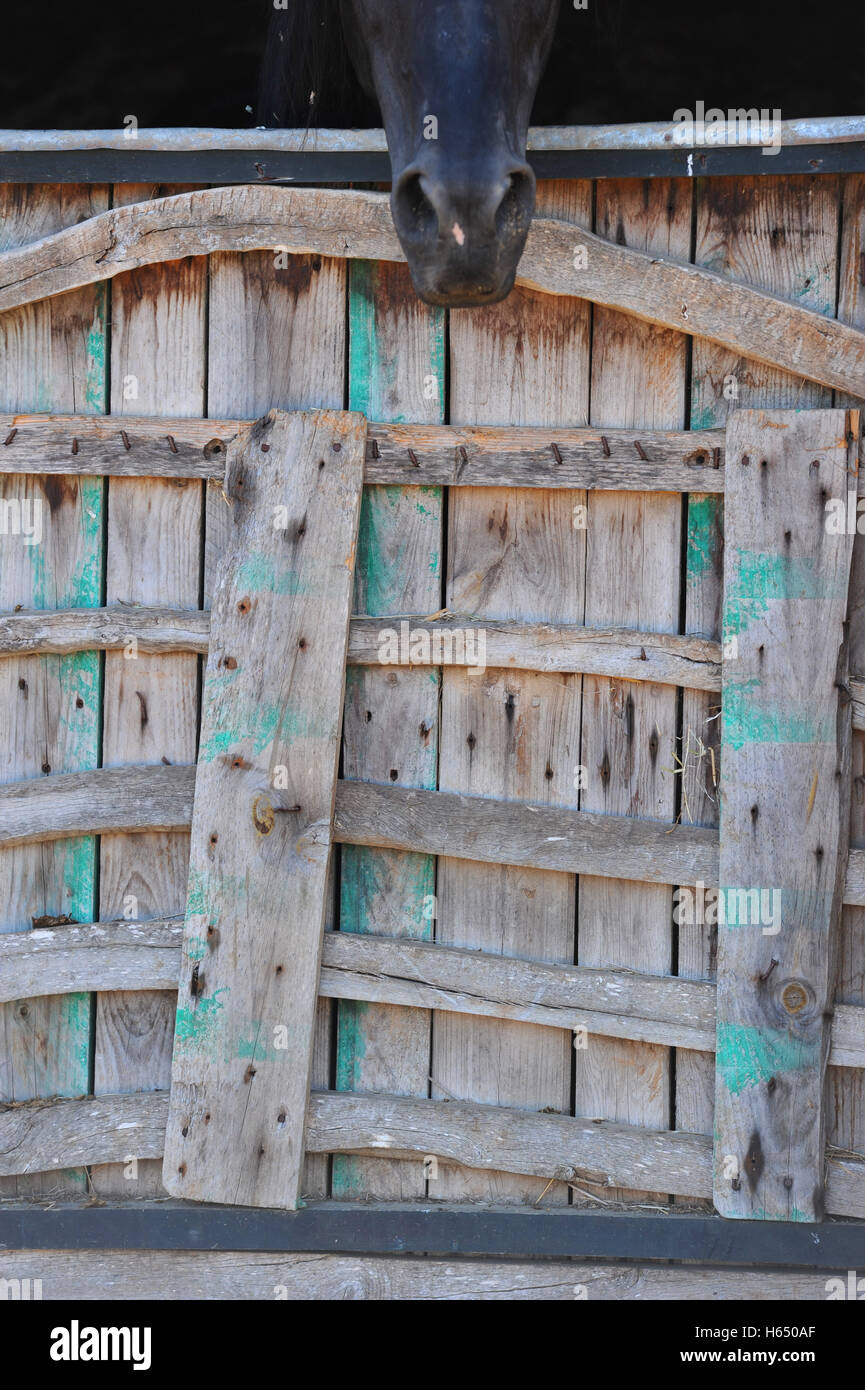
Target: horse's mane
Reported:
[(307, 78)]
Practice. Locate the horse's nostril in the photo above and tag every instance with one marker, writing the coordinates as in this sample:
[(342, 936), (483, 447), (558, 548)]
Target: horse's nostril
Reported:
[(515, 209), (418, 217)]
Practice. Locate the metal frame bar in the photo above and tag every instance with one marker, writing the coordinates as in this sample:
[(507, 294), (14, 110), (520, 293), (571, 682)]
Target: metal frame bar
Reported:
[(266, 165), (422, 1229)]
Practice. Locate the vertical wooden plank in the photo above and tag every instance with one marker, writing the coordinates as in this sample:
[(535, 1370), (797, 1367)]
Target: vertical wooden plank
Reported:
[(785, 786), (632, 579), (276, 337), (779, 234), (396, 372), (265, 786), (52, 357), (158, 317), (846, 1114), (513, 554)]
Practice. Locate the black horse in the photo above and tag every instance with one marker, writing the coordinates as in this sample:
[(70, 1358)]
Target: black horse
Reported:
[(454, 81)]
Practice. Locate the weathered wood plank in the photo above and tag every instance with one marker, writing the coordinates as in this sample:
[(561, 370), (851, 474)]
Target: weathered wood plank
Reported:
[(785, 784), (56, 1132), (272, 709), (88, 803), (154, 535), (629, 730), (52, 356), (416, 455), (358, 225), (396, 368), (512, 554), (780, 235), (91, 956), (100, 445), (142, 628), (240, 1276), (845, 1120), (615, 1003), (468, 827), (419, 642), (277, 337)]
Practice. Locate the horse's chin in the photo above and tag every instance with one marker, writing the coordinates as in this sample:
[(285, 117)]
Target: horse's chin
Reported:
[(462, 296), (455, 287)]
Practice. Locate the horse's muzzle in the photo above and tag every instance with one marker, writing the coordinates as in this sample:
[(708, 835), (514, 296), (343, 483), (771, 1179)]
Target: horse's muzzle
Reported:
[(463, 238)]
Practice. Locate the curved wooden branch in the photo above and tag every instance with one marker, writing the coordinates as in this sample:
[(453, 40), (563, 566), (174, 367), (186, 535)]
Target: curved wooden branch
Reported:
[(559, 259)]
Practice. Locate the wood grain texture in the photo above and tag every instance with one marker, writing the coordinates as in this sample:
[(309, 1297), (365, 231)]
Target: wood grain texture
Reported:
[(66, 959), (512, 555), (145, 627), (158, 320), (52, 357), (159, 798), (785, 785), (159, 1276), (276, 337), (260, 844), (396, 370), (780, 235), (629, 731), (485, 1136), (665, 291), (845, 1116), (70, 804), (409, 455), (614, 1003)]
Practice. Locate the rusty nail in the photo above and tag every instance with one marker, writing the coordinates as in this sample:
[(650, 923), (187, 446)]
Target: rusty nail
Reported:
[(336, 446), (766, 973), (641, 451), (605, 445), (716, 458), (125, 437), (557, 453), (75, 446), (265, 448), (375, 452), (171, 444), (746, 460), (10, 436), (463, 453), (413, 456)]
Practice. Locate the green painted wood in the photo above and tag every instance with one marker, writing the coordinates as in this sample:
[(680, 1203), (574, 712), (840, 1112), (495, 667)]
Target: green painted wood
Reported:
[(52, 358), (261, 826), (396, 373), (785, 805)]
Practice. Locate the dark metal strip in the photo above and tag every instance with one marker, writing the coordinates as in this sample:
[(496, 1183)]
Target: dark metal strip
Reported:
[(391, 1229), (266, 166)]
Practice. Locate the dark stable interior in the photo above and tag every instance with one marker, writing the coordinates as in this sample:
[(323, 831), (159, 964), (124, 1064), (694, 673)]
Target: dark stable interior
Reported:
[(83, 64)]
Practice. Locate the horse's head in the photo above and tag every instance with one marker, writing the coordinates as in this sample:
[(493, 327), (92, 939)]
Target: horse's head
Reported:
[(455, 80)]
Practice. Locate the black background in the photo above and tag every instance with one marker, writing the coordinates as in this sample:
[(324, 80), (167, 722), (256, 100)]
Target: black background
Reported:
[(87, 64)]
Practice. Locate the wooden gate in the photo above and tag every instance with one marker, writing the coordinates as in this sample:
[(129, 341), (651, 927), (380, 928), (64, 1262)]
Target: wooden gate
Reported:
[(553, 712)]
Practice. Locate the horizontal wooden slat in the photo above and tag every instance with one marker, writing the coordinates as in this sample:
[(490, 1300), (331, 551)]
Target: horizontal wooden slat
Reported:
[(134, 798), (40, 1136), (515, 832), (691, 662), (614, 1003), (688, 661), (355, 224), (241, 1276), (92, 956), (420, 455), (60, 631), (640, 135), (530, 456), (126, 447), (140, 798)]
